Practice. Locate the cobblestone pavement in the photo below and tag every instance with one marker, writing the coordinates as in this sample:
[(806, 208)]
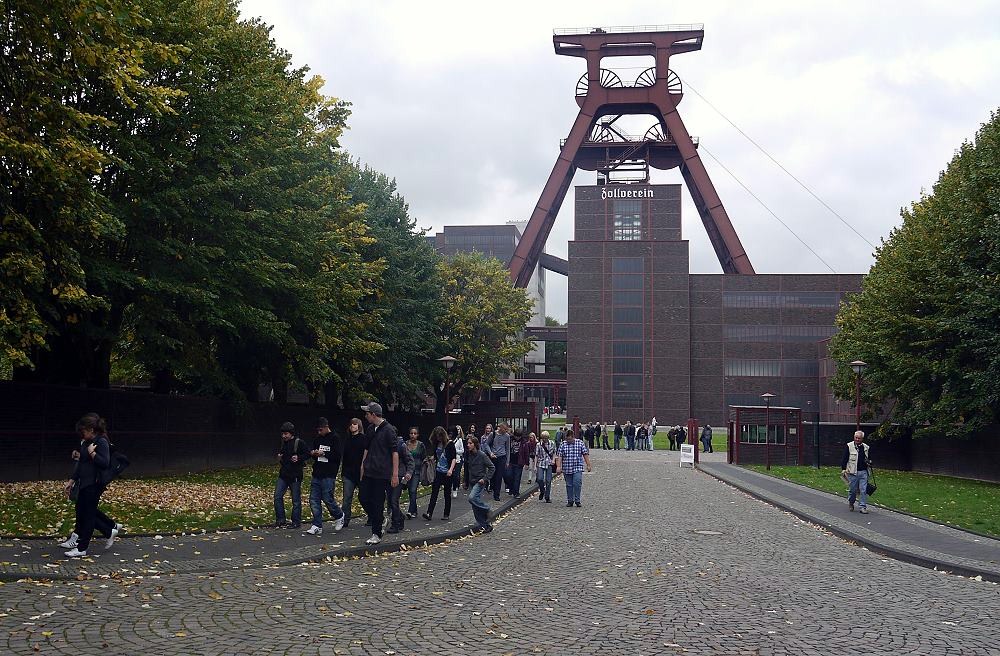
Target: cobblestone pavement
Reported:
[(659, 560)]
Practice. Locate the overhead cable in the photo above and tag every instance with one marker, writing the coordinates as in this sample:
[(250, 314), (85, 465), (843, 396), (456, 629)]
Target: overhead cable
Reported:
[(701, 147), (687, 85)]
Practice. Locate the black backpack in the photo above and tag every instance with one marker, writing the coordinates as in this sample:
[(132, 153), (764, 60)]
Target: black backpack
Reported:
[(119, 462)]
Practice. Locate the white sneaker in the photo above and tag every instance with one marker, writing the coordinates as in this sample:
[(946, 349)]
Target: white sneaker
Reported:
[(111, 540), (374, 539), (454, 494), (76, 553), (314, 530), (70, 541), (864, 510), (339, 524)]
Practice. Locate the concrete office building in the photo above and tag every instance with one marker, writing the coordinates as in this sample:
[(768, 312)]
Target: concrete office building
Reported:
[(647, 338), (499, 241)]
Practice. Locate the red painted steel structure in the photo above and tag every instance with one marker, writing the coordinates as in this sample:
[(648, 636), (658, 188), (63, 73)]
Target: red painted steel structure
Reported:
[(600, 147)]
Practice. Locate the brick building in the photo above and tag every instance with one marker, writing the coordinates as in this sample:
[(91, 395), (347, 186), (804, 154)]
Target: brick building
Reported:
[(647, 338)]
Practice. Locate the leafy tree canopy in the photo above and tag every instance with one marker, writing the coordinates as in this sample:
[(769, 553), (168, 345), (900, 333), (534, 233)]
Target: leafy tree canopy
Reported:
[(483, 321), (926, 318)]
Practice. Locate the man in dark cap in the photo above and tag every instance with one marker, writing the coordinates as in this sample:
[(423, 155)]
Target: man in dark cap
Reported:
[(292, 458), (379, 468), (325, 465)]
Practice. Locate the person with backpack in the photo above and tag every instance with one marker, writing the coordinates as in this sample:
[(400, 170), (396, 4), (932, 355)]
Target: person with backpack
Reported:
[(118, 462), (326, 462), (93, 458), (292, 456)]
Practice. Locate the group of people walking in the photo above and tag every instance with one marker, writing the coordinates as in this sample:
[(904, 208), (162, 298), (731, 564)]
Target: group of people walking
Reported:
[(380, 465)]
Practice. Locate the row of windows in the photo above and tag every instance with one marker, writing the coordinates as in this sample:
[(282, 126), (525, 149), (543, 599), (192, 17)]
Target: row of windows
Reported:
[(626, 265), (626, 399), (627, 220), (807, 402), (773, 368), (627, 383), (750, 333), (493, 241), (626, 365), (626, 331), (775, 300), (633, 298), (626, 349), (627, 315), (754, 434), (623, 281)]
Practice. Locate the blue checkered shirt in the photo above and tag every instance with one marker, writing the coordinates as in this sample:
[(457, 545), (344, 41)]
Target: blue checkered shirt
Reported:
[(572, 455)]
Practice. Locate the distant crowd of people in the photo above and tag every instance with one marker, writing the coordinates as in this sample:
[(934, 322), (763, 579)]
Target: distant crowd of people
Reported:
[(636, 436)]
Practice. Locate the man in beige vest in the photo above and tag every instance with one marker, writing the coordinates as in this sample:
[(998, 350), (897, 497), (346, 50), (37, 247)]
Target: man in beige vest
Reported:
[(855, 466)]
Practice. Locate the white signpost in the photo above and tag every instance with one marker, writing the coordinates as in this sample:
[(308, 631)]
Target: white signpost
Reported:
[(687, 454)]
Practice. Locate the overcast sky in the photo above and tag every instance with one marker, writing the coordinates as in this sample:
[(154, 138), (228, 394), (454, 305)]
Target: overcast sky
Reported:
[(464, 103)]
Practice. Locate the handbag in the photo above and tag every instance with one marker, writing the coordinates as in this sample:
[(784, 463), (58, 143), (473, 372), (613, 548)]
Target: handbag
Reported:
[(871, 487), (74, 492), (427, 471)]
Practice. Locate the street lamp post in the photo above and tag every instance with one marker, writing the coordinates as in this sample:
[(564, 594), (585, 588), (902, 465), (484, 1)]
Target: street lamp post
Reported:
[(859, 367), (767, 396), (448, 363)]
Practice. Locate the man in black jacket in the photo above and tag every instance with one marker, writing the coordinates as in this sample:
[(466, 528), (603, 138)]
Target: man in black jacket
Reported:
[(292, 457), (379, 468), (325, 465)]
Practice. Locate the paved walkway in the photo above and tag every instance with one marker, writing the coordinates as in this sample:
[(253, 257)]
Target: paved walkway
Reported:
[(891, 533), (226, 550), (659, 560)]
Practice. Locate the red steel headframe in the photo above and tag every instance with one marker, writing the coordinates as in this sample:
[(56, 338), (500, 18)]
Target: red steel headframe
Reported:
[(659, 99)]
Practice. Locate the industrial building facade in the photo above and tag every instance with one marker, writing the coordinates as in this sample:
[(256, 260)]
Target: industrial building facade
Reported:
[(648, 338)]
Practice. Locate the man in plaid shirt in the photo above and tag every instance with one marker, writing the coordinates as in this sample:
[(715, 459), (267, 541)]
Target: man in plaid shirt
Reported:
[(570, 458)]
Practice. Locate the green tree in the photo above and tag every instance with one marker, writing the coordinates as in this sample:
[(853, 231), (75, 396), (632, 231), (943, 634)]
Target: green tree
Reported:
[(410, 301), (925, 320), (555, 352), (66, 65), (482, 325)]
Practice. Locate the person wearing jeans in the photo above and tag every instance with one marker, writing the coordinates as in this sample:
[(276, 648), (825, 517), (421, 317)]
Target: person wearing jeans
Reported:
[(571, 456), (444, 471), (292, 458), (855, 465), (354, 450), (324, 478), (481, 470), (418, 452), (545, 451), (499, 448)]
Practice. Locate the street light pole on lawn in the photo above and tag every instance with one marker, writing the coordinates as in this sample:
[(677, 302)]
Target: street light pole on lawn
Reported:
[(767, 396), (448, 363), (859, 367)]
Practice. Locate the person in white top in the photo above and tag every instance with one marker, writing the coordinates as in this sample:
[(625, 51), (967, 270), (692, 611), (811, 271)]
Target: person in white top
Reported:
[(460, 452)]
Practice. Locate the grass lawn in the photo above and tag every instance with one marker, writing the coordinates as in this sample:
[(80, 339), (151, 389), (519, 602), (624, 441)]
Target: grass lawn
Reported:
[(968, 504), (171, 504)]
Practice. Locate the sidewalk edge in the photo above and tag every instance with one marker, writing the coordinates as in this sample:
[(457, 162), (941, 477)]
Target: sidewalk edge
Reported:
[(875, 547)]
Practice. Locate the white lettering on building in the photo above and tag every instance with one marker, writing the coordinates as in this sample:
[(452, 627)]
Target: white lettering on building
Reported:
[(617, 192)]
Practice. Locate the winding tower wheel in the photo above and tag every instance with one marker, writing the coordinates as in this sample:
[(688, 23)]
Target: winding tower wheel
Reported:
[(648, 78), (609, 79)]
